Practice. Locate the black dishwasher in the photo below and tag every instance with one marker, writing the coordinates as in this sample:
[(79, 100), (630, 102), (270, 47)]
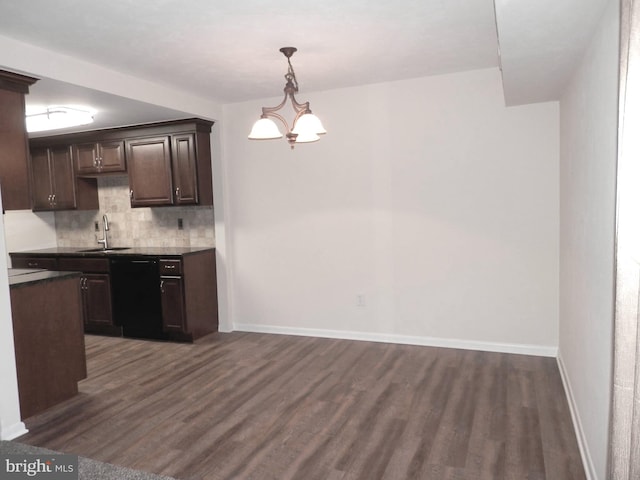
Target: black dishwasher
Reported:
[(135, 290)]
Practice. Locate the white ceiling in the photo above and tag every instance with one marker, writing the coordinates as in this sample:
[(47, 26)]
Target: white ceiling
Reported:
[(228, 50)]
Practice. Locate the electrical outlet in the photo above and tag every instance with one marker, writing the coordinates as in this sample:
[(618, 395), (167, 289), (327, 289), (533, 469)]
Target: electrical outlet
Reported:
[(180, 224), (361, 300), (96, 227)]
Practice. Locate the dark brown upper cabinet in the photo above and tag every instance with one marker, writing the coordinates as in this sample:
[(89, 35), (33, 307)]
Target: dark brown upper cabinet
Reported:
[(164, 170), (150, 182), (54, 184), (97, 158), (14, 151), (168, 163), (184, 169)]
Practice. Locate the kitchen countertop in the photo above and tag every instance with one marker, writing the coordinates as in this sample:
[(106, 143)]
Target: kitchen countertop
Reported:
[(148, 251), (28, 276)]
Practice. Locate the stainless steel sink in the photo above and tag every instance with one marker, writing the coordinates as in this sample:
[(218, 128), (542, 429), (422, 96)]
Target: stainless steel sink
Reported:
[(103, 250)]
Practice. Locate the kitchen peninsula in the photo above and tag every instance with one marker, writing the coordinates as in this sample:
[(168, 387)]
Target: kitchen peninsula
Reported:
[(48, 337)]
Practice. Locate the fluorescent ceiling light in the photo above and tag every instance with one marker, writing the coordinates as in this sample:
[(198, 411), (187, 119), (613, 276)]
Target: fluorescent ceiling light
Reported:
[(52, 118)]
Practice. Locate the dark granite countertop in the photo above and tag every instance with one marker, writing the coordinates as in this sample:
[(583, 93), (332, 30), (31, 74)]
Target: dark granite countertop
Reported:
[(19, 277), (140, 251)]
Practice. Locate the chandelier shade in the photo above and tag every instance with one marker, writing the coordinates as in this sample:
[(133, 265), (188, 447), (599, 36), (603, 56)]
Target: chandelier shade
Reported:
[(265, 129), (307, 137), (308, 123), (305, 127)]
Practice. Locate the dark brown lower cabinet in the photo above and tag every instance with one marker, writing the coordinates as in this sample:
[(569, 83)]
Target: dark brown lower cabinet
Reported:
[(43, 263), (172, 304), (95, 286), (189, 295), (187, 283), (96, 300)]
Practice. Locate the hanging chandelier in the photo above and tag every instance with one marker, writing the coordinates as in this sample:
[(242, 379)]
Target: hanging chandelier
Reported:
[(305, 128)]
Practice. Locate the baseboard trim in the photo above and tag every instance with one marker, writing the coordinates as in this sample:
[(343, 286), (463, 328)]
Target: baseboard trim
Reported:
[(13, 431), (521, 349), (587, 461)]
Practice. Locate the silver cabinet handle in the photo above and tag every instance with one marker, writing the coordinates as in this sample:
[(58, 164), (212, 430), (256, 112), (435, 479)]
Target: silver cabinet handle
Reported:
[(131, 194), (162, 286), (177, 192)]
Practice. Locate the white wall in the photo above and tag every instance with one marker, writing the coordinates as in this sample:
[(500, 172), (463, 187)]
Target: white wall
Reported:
[(26, 230), (588, 112), (427, 196)]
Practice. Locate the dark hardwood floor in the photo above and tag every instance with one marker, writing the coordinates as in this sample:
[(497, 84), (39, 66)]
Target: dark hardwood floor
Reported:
[(257, 406)]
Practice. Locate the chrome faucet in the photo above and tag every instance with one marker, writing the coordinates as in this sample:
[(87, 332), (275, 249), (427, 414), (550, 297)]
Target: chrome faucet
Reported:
[(105, 228)]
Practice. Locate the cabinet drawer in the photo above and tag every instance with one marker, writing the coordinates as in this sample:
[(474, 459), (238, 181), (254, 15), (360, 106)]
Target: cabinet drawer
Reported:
[(98, 265), (170, 267), (46, 263)]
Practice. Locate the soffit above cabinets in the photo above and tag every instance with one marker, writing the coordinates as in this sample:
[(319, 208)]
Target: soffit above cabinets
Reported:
[(541, 43)]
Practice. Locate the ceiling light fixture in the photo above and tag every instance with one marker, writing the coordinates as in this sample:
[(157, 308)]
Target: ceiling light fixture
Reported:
[(53, 118), (306, 127)]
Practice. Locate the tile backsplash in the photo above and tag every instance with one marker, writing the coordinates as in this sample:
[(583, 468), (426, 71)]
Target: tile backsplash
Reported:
[(134, 227)]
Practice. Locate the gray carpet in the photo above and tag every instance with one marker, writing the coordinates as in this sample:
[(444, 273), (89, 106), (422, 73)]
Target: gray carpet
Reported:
[(88, 469)]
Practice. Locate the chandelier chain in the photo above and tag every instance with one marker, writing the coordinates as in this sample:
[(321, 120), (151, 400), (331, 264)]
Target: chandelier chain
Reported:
[(291, 75)]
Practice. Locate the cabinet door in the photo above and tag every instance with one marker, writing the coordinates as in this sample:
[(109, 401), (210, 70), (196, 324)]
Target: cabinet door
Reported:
[(42, 189), (14, 170), (95, 158), (149, 162), (111, 157), (172, 304), (63, 179), (86, 157), (185, 175), (96, 293)]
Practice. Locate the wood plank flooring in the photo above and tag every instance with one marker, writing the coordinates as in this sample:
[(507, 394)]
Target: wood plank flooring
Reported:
[(257, 406)]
